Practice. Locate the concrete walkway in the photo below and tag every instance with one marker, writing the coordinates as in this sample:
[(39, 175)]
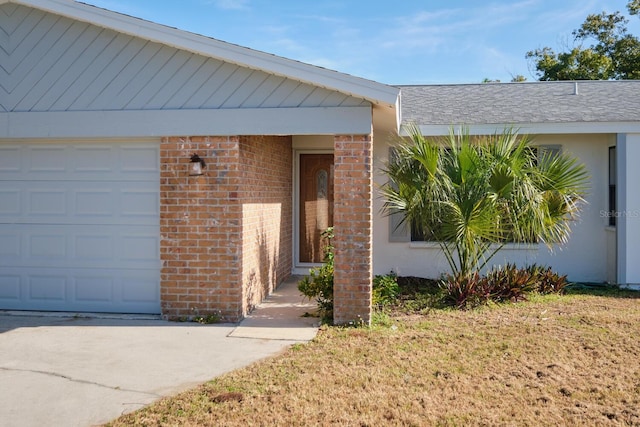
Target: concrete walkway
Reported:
[(81, 371), (282, 316)]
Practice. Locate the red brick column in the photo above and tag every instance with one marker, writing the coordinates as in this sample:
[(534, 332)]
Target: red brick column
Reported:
[(353, 209)]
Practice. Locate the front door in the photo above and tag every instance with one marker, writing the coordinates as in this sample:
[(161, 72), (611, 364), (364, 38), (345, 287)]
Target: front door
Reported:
[(316, 204)]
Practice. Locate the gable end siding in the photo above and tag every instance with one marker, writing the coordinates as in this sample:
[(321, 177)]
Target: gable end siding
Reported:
[(52, 64)]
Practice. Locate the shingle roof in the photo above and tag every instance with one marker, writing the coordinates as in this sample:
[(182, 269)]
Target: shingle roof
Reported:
[(522, 103)]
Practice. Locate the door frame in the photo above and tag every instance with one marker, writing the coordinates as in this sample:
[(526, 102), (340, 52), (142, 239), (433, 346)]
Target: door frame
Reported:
[(300, 268)]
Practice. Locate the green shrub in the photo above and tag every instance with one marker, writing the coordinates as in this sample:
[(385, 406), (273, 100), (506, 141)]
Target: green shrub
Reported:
[(319, 283), (385, 290)]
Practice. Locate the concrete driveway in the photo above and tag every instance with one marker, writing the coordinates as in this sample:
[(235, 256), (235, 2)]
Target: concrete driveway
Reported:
[(70, 371)]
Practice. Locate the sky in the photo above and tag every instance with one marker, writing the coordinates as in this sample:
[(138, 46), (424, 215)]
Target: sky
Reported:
[(393, 42)]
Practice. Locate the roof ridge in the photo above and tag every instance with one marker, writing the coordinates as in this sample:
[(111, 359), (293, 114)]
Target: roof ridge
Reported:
[(533, 82)]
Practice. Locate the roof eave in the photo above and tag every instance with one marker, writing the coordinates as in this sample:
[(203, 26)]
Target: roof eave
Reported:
[(534, 128)]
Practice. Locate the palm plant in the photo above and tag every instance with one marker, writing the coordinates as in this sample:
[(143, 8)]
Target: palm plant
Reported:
[(472, 195)]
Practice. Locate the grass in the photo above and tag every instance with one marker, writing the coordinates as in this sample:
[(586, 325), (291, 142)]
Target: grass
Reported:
[(554, 360)]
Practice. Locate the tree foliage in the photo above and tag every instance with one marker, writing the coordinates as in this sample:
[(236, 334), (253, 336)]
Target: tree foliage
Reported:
[(518, 78), (473, 195), (612, 54)]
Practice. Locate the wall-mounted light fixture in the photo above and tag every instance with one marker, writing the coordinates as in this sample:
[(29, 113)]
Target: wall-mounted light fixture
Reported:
[(196, 165)]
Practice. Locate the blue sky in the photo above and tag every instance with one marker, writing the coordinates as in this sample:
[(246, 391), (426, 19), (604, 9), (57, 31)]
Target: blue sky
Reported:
[(393, 42)]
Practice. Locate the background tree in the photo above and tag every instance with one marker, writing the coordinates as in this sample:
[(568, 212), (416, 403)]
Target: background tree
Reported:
[(473, 195), (613, 54), (514, 79)]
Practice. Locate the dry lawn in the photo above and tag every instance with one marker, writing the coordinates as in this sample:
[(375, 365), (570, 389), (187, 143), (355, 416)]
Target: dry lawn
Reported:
[(570, 360)]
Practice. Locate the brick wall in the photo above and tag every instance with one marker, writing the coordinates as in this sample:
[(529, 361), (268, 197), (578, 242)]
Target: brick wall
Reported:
[(353, 228), (266, 174), (200, 229), (209, 261)]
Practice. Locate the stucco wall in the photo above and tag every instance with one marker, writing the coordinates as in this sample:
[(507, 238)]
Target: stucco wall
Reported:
[(584, 258)]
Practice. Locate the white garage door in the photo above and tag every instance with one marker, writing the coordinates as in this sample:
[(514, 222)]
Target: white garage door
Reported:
[(79, 227)]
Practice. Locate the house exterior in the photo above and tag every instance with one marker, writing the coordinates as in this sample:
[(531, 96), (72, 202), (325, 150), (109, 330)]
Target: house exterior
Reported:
[(101, 113), (596, 121)]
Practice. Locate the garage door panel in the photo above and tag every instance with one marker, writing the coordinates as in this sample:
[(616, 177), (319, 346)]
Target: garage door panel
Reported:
[(140, 204), (86, 246), (50, 159), (93, 290), (10, 202), (140, 290), (79, 227), (10, 245), (48, 203), (10, 159), (95, 202), (139, 248), (79, 202), (80, 162), (48, 246), (10, 285), (47, 286), (91, 159), (136, 160), (93, 247)]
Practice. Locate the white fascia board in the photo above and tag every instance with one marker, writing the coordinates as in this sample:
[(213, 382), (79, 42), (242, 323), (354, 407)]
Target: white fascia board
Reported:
[(139, 123), (374, 92), (534, 128)]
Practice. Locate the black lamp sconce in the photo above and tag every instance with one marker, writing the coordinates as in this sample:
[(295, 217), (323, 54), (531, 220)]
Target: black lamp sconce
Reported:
[(196, 165)]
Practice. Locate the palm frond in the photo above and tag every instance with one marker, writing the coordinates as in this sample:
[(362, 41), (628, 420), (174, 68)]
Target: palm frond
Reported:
[(473, 195)]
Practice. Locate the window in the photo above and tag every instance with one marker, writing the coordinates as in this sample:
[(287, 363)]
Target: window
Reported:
[(418, 235), (322, 185), (612, 186), (398, 232), (415, 234), (552, 150)]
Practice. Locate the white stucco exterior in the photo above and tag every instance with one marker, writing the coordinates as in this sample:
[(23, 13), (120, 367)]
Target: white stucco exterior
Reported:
[(584, 258)]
